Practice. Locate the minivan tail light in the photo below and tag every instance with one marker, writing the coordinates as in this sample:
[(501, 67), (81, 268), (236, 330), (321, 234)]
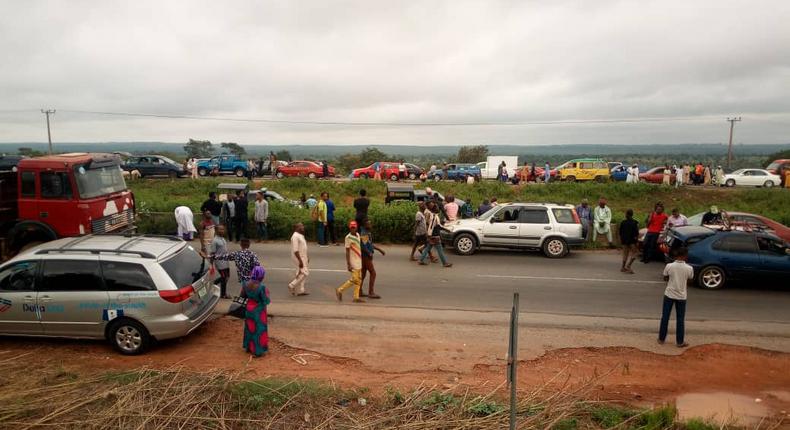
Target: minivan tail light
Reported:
[(576, 217), (177, 296)]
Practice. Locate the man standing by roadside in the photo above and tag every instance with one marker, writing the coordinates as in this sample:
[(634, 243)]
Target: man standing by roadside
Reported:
[(353, 264), (219, 246), (213, 206), (547, 173), (330, 221), (300, 260), (228, 215), (655, 225), (629, 235), (361, 205), (602, 220), (679, 176), (677, 219), (321, 219), (240, 219), (185, 220), (368, 249), (585, 217), (451, 208), (273, 164), (261, 216), (677, 274)]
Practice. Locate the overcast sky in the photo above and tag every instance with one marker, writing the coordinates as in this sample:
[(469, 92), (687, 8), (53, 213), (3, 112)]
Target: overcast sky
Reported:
[(396, 62)]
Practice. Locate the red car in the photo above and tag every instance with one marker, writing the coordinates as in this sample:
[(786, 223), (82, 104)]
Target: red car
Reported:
[(656, 176), (389, 171), (303, 168)]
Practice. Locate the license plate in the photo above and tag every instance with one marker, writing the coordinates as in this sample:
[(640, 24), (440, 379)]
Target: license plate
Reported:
[(202, 291)]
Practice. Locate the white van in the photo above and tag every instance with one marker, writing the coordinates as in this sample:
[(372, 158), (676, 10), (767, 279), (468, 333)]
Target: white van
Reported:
[(490, 167)]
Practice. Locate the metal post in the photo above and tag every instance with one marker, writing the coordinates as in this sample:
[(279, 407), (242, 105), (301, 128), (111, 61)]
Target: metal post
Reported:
[(512, 360), (729, 147), (49, 134)]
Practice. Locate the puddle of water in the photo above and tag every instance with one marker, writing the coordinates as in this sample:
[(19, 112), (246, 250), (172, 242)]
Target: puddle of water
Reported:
[(721, 408)]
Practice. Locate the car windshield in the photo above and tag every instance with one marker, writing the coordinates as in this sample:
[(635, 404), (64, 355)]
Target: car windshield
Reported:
[(773, 166), (487, 214), (738, 172), (167, 160), (186, 267), (99, 181)]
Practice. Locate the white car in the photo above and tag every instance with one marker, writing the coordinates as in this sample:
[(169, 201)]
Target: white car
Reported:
[(752, 178)]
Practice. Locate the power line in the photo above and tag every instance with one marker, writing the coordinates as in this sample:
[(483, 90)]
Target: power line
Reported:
[(392, 124)]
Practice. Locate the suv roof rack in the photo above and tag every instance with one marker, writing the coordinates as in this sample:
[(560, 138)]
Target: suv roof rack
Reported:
[(97, 251)]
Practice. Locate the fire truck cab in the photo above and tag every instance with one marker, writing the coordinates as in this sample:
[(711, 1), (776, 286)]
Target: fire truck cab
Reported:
[(63, 195)]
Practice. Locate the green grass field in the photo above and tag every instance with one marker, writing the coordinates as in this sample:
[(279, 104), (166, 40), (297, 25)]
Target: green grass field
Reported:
[(393, 223)]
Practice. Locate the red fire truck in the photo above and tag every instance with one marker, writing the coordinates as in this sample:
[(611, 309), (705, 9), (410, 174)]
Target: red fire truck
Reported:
[(64, 195)]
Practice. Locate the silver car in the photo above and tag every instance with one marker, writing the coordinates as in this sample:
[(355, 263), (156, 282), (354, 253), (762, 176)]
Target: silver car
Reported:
[(551, 228), (127, 289)]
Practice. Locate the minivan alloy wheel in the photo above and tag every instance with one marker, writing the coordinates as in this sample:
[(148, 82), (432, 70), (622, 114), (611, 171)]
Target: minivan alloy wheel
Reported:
[(128, 338)]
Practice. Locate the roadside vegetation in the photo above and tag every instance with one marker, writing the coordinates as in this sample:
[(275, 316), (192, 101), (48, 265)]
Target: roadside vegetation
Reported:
[(157, 198), (176, 398)]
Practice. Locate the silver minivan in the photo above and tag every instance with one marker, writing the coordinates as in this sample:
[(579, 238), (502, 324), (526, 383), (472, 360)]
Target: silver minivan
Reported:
[(127, 289)]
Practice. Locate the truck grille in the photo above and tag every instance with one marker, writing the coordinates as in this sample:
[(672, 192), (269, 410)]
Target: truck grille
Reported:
[(114, 222)]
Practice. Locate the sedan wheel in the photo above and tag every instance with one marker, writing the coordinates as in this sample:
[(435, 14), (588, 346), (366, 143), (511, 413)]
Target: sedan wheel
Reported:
[(465, 244), (312, 175), (394, 178), (730, 182), (412, 176), (437, 178), (555, 247), (280, 175), (129, 337), (768, 184), (712, 278), (363, 176), (202, 171)]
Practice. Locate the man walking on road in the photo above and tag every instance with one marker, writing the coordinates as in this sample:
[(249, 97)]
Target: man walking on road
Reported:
[(300, 260), (677, 274), (261, 216), (353, 264), (585, 216), (368, 249), (602, 219), (629, 234)]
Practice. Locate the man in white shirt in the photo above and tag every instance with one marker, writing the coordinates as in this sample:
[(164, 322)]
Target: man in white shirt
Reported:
[(677, 219), (300, 260), (261, 216), (677, 274), (186, 222)]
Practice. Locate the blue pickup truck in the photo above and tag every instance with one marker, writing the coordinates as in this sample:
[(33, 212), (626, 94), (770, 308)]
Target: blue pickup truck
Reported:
[(225, 164), (455, 172)]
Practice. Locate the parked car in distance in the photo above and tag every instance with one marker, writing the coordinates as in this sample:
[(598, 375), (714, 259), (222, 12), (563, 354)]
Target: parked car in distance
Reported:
[(737, 255), (264, 166), (656, 176), (413, 171), (234, 187), (584, 169), (455, 172), (154, 165), (539, 172), (129, 290), (752, 178), (224, 164), (303, 168), (389, 171), (620, 173), (778, 167), (10, 162), (552, 228)]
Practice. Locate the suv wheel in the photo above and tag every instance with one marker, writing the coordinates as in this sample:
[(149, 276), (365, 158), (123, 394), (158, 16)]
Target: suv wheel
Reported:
[(129, 337), (768, 184), (570, 178), (239, 172), (711, 278), (202, 171), (555, 247), (465, 244)]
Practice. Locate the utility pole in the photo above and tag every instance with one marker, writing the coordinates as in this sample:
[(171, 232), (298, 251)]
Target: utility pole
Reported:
[(49, 134), (729, 148)]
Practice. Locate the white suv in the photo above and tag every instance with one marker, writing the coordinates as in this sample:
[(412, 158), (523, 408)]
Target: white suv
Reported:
[(551, 228), (127, 289)]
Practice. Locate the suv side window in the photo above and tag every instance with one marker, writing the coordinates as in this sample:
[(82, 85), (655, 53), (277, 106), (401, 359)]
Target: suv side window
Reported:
[(71, 275), (126, 277), (19, 277), (507, 215), (563, 216), (55, 185), (736, 243), (534, 216), (28, 184), (586, 165)]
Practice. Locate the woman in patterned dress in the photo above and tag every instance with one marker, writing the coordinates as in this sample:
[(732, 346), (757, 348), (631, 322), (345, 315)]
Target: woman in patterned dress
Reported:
[(256, 330)]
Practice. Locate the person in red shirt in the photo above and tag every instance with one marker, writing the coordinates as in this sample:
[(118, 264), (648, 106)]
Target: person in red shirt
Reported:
[(655, 225)]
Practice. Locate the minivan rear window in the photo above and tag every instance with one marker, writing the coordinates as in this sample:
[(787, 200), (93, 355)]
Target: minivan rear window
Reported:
[(186, 267), (126, 277)]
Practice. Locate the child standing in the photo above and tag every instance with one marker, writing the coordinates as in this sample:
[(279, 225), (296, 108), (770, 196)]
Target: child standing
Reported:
[(677, 274), (368, 249), (353, 263)]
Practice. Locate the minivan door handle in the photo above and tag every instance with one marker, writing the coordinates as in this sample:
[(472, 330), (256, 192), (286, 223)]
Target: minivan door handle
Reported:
[(513, 227), (29, 299), (45, 299), (547, 227)]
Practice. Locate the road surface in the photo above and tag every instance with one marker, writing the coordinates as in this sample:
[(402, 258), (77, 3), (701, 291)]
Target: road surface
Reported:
[(585, 283)]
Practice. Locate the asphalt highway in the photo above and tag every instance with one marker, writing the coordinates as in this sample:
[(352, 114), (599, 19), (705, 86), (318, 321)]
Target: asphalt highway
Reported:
[(585, 283)]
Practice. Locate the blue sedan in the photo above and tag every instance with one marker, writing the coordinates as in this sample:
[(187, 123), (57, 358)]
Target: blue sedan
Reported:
[(738, 255)]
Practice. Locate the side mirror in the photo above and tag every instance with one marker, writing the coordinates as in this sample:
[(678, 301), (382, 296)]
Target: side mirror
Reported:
[(492, 220)]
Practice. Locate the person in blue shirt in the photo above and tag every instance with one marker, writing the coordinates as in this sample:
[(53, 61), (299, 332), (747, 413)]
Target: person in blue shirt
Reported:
[(330, 219)]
